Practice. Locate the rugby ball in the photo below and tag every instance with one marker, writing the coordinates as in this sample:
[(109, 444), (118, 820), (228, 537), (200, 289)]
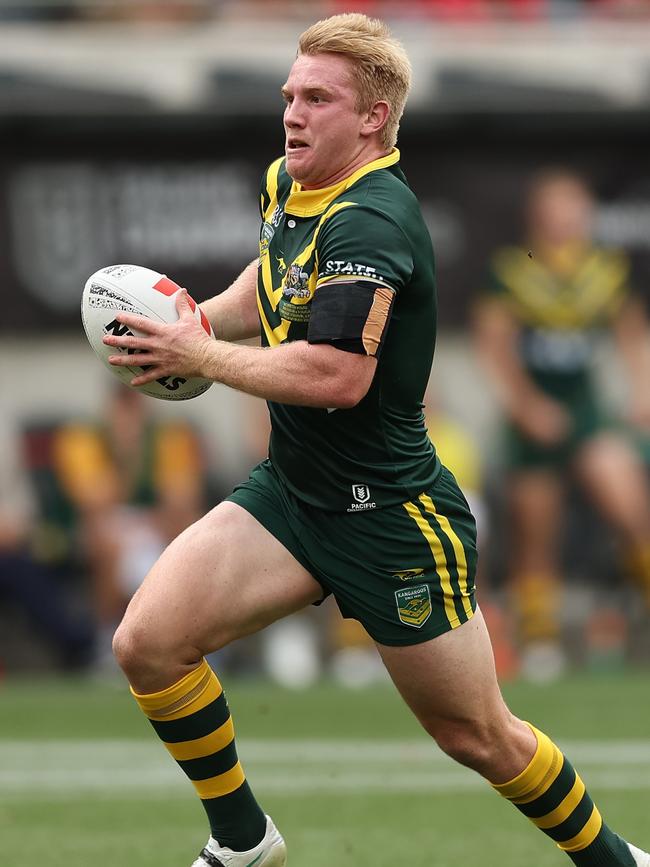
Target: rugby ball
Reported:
[(133, 289)]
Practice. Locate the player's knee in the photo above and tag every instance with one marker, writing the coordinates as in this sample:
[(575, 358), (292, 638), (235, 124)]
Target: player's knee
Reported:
[(469, 742), (133, 649)]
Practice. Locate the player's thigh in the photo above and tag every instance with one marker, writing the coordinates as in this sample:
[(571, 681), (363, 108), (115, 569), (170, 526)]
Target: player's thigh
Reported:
[(450, 684), (614, 477), (224, 577), (450, 677)]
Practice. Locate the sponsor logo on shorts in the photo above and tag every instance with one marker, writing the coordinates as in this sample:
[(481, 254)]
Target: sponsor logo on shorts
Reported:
[(407, 574), (361, 494), (414, 605)]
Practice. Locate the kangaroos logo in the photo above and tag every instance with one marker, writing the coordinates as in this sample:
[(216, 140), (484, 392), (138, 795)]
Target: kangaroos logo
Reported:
[(408, 574), (414, 605)]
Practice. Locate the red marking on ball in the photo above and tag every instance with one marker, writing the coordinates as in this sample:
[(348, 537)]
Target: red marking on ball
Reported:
[(166, 286)]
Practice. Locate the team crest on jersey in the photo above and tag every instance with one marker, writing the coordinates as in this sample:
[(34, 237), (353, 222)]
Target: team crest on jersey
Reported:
[(294, 305), (414, 605), (296, 284)]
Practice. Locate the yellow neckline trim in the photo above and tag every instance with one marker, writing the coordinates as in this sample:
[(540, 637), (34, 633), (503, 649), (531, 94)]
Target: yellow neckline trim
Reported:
[(310, 203)]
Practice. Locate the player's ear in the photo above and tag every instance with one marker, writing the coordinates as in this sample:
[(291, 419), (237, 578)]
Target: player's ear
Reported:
[(375, 118)]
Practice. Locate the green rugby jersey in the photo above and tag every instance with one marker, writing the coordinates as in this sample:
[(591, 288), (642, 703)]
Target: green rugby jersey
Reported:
[(560, 313), (326, 252)]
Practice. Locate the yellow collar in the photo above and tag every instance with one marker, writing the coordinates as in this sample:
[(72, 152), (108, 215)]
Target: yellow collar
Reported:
[(310, 203)]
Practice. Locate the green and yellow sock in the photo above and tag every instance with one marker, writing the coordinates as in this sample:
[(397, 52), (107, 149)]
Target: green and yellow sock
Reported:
[(537, 604), (555, 799), (193, 720), (638, 567)]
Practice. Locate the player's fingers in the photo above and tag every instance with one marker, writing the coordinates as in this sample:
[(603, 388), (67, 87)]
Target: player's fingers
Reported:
[(126, 341), (183, 306), (135, 359), (141, 323), (148, 376)]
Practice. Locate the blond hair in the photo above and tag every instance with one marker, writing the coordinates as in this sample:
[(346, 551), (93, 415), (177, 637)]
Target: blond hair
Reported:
[(382, 70)]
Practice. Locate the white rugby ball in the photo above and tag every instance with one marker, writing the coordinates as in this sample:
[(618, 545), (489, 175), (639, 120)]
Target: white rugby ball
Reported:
[(134, 289)]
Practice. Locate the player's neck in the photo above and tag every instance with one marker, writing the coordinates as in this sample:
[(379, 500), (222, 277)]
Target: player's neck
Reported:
[(362, 159)]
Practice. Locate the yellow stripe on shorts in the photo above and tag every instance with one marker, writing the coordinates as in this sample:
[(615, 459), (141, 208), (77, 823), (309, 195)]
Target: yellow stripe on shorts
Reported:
[(459, 551), (440, 560)]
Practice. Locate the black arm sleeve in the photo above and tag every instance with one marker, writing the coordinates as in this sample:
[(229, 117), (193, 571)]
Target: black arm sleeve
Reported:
[(352, 316)]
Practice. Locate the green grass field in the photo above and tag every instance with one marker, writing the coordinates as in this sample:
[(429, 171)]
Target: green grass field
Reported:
[(347, 775)]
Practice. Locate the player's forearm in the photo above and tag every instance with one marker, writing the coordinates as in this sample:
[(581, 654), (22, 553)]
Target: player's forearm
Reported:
[(637, 363), (496, 341), (513, 387), (233, 314), (295, 373)]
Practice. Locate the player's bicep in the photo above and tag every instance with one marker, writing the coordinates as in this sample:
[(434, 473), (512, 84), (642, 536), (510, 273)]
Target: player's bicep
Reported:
[(351, 315)]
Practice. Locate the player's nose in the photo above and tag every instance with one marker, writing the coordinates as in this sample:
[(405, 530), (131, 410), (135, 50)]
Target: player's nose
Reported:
[(294, 116)]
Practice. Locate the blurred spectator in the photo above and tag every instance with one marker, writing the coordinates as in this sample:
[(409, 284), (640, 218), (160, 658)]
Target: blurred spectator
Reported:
[(449, 10), (38, 11), (36, 587), (150, 11), (135, 483), (536, 327), (453, 11), (459, 452)]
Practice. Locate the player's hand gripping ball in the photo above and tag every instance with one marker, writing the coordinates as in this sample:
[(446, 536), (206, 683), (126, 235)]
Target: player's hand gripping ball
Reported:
[(133, 289)]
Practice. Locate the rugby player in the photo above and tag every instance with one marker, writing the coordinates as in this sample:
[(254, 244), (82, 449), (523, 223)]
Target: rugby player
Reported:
[(537, 324), (352, 500)]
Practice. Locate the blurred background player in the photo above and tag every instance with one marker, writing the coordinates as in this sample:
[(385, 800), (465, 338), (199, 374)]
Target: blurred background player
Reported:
[(135, 482), (35, 587), (537, 323)]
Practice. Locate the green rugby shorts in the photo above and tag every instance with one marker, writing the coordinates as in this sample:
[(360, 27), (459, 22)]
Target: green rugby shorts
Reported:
[(405, 572), (523, 453)]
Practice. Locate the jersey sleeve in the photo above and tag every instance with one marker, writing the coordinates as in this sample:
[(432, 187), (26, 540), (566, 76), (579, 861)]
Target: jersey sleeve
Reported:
[(364, 261), (264, 194), (269, 186)]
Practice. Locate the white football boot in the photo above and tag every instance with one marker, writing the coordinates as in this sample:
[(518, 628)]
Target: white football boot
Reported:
[(642, 858), (270, 852)]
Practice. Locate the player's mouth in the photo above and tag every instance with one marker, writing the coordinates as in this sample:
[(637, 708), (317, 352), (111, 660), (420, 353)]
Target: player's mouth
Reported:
[(295, 145)]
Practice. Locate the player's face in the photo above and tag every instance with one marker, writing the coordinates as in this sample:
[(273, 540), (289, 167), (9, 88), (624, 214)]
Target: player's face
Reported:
[(325, 140), (561, 211)]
